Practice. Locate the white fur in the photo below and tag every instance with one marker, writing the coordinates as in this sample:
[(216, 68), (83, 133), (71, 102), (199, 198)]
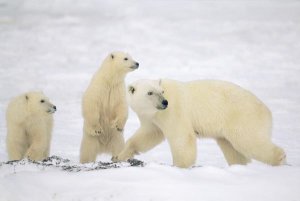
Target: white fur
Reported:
[(29, 126), (104, 108), (233, 116)]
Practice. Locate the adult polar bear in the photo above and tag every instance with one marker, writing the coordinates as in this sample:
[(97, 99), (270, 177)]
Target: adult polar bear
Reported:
[(181, 112), (105, 109)]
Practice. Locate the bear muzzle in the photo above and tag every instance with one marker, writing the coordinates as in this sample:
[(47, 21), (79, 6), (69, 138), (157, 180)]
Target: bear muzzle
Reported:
[(52, 109), (135, 66), (164, 105)]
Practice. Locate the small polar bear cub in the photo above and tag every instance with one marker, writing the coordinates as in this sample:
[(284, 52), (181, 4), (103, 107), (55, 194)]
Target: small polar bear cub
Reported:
[(29, 126), (105, 109), (181, 112)]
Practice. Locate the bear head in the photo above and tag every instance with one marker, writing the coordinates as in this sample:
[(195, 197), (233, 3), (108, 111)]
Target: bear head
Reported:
[(121, 62), (38, 103), (146, 97)]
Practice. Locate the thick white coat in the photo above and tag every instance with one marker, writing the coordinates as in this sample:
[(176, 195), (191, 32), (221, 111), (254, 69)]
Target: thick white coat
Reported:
[(105, 109), (29, 126), (239, 121)]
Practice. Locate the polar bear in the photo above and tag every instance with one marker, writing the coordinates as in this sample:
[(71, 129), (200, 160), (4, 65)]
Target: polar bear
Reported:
[(105, 109), (29, 126), (181, 112)]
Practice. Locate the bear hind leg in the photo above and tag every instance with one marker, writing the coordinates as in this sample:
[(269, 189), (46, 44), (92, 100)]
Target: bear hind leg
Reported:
[(259, 148), (89, 148), (16, 143), (231, 155), (16, 150)]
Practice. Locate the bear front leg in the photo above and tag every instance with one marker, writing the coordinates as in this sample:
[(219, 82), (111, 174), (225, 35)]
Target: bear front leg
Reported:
[(91, 117), (119, 121), (39, 146), (183, 148), (145, 138)]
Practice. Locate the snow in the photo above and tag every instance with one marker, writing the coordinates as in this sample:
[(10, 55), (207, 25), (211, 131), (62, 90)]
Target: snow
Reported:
[(57, 45)]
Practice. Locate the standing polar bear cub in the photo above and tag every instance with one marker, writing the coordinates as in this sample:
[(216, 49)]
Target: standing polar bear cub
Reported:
[(104, 108), (181, 112), (29, 126)]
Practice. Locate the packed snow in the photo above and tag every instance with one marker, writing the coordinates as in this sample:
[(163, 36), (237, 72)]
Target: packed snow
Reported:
[(57, 45)]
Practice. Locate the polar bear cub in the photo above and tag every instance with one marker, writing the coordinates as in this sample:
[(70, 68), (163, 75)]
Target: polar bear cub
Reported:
[(181, 112), (105, 109), (29, 125)]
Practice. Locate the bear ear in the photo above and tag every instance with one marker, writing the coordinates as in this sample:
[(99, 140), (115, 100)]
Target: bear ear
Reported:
[(131, 89), (26, 97), (112, 56)]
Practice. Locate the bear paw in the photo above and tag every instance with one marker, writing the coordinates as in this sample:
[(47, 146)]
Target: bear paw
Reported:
[(94, 131), (119, 158), (116, 125), (124, 156), (97, 132), (115, 159), (34, 155), (279, 157)]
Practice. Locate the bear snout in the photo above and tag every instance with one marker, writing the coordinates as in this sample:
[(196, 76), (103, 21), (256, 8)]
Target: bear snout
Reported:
[(164, 103), (52, 109), (135, 66)]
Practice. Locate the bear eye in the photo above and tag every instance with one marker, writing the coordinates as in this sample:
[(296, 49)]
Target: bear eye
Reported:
[(163, 92), (150, 93), (125, 58), (42, 101)]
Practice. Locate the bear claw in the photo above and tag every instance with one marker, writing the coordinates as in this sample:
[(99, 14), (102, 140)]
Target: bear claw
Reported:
[(97, 133), (94, 132), (115, 159)]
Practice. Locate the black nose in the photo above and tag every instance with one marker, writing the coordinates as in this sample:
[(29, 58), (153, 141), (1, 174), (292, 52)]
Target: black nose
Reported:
[(137, 64), (165, 102), (54, 107)]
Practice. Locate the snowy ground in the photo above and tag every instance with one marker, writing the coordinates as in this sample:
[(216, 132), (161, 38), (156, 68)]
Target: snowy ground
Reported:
[(57, 45)]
